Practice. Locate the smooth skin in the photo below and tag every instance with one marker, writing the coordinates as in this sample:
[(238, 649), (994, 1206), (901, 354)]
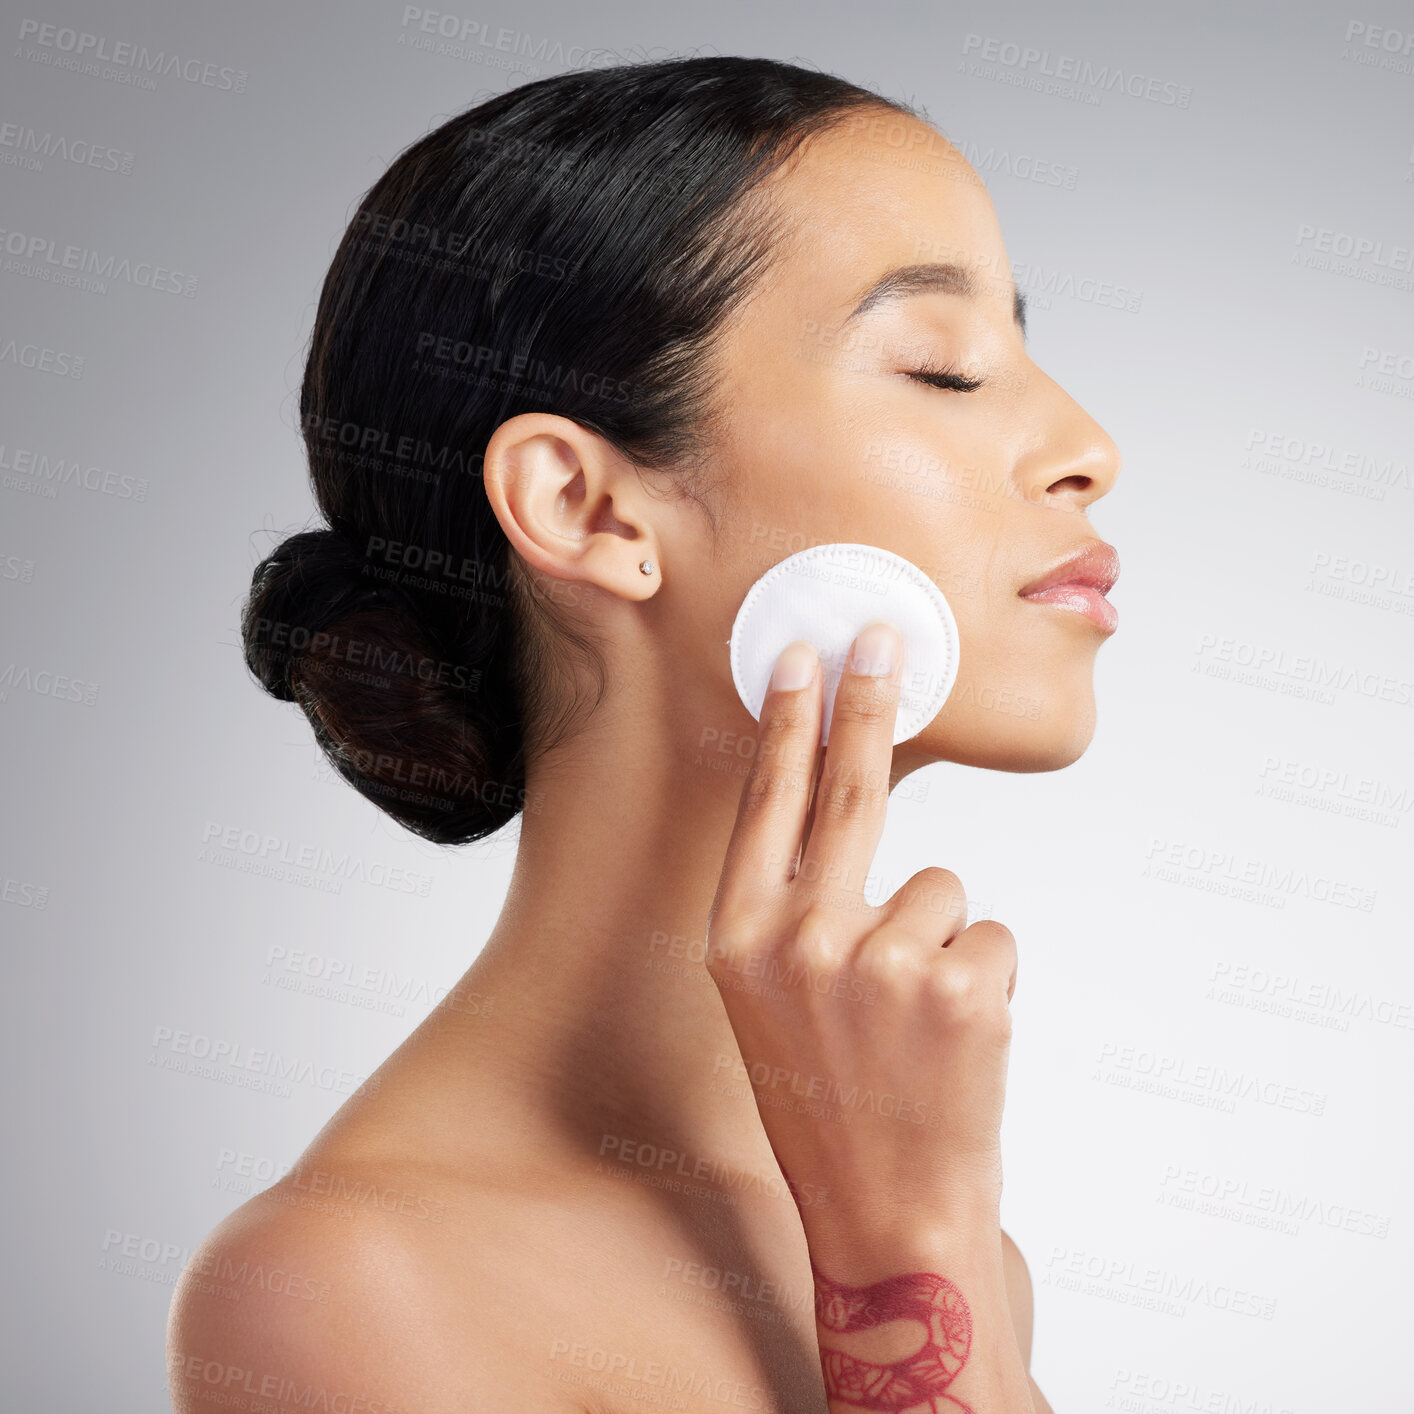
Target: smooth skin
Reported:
[(561, 1271)]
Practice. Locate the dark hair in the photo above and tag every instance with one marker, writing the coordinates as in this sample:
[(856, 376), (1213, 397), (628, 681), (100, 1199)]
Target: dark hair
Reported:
[(570, 246)]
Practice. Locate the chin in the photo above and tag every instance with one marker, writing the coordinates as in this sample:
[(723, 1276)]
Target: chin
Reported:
[(1049, 742)]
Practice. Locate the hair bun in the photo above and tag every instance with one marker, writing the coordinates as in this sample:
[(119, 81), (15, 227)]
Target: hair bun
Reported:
[(306, 585), (405, 721)]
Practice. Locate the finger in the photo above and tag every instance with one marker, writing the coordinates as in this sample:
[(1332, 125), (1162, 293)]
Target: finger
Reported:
[(932, 905), (992, 946), (853, 794), (770, 818)]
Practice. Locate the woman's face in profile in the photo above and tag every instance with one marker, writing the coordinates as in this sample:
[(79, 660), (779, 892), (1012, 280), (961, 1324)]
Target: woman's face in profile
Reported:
[(832, 435)]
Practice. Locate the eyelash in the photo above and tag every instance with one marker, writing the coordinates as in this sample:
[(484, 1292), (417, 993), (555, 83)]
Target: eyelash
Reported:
[(946, 378)]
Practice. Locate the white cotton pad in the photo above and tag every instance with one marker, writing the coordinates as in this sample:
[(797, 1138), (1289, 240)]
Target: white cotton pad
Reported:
[(826, 594)]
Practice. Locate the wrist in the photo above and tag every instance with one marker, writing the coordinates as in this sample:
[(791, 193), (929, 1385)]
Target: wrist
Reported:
[(851, 1245)]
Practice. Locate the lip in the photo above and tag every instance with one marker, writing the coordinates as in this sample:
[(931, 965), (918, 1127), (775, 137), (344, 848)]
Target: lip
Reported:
[(1079, 583)]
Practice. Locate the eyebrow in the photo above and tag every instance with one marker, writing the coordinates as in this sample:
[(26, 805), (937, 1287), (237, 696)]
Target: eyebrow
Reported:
[(934, 278)]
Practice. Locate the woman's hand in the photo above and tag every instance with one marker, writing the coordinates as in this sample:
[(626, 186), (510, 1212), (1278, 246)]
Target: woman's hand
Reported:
[(875, 1037)]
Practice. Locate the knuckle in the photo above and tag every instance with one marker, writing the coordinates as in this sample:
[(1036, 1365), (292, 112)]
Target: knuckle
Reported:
[(848, 796), (817, 942), (767, 791), (863, 700), (779, 777), (791, 716), (725, 952), (972, 1001), (732, 936), (890, 957), (955, 987)]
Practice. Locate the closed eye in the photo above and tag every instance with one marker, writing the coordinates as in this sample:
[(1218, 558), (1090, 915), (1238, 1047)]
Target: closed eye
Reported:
[(948, 378)]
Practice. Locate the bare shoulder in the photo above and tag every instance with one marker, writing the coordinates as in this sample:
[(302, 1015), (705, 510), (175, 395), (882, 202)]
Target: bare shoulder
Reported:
[(360, 1298), (1021, 1300)]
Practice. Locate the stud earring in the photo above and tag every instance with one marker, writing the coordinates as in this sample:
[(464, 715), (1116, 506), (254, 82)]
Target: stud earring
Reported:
[(646, 567)]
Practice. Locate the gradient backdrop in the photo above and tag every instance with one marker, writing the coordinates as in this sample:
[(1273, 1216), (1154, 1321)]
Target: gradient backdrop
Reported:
[(1208, 1139)]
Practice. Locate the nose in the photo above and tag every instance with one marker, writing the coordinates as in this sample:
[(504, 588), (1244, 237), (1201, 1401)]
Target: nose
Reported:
[(1073, 461)]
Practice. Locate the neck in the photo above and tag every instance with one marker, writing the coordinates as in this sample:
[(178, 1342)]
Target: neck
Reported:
[(608, 1022)]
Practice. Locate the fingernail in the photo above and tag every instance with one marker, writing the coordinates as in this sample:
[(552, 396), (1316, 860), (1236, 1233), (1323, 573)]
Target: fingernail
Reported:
[(795, 667), (876, 650)]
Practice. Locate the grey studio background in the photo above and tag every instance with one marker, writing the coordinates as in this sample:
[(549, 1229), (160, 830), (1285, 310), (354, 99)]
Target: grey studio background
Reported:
[(1207, 1137)]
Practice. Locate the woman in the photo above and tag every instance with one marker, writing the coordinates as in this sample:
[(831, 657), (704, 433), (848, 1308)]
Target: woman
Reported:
[(698, 1127)]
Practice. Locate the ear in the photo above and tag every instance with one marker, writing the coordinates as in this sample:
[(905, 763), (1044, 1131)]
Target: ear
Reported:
[(571, 505)]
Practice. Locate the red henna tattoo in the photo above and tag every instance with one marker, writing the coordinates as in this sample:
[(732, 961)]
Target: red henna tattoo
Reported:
[(918, 1381)]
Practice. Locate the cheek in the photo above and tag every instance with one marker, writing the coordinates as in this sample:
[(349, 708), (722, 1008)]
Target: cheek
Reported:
[(1017, 664)]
